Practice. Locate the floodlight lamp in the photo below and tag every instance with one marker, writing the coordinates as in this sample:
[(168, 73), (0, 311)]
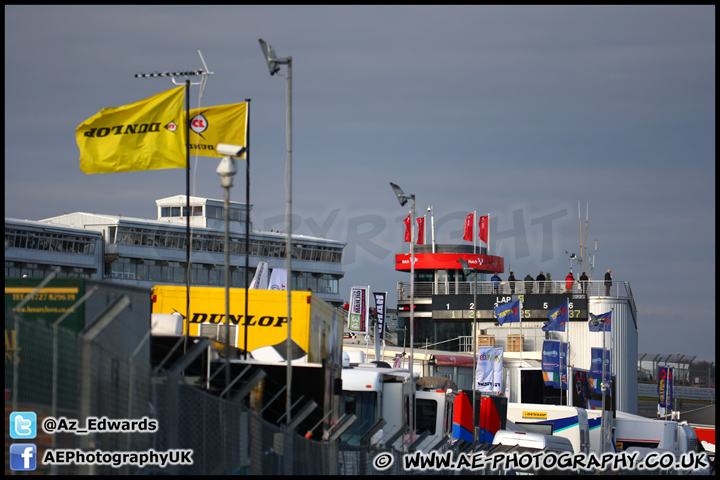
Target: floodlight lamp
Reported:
[(402, 198), (270, 57), (465, 266)]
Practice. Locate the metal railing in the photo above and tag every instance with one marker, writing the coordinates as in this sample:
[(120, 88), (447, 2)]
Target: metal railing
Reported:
[(686, 393), (598, 288)]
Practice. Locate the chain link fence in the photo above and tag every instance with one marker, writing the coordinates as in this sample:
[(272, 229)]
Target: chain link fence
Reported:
[(56, 372)]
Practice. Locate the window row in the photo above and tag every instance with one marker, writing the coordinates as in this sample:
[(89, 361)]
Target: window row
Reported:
[(202, 274), (216, 243), (52, 242), (13, 269), (211, 211), (175, 211), (173, 272)]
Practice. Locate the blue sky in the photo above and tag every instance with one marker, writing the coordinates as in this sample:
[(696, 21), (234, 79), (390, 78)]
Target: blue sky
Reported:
[(515, 111)]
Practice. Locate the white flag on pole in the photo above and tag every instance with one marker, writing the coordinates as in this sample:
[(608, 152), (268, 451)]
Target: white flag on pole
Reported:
[(498, 370), (260, 280), (484, 375), (278, 279)]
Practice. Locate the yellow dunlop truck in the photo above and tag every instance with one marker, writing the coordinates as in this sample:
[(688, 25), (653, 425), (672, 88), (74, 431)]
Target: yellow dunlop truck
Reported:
[(316, 347), (316, 331)]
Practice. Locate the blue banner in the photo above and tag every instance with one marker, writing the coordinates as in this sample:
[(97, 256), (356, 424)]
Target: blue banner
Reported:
[(558, 318), (604, 323), (665, 387), (554, 363), (508, 312), (595, 377)]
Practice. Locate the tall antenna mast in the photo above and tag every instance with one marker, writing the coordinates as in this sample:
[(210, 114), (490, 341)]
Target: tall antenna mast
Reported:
[(581, 237), (592, 265), (587, 211), (203, 80)]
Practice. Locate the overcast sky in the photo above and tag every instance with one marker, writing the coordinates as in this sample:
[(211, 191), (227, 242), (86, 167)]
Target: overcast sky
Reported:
[(519, 112)]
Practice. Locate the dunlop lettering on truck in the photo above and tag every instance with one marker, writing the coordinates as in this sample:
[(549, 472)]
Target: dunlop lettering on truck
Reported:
[(316, 328), (535, 415), (264, 321)]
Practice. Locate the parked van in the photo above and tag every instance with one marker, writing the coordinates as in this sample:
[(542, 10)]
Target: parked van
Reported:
[(555, 420), (535, 441)]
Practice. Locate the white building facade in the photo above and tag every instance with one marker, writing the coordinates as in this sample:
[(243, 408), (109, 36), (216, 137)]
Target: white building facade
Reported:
[(146, 252)]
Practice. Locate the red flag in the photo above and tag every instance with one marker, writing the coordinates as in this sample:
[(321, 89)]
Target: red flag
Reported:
[(407, 228), (421, 231), (468, 228), (484, 228)]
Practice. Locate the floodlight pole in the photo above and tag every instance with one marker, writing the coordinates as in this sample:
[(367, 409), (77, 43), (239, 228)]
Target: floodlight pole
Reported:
[(412, 319), (227, 170), (603, 385), (403, 198), (466, 270), (602, 388), (273, 61)]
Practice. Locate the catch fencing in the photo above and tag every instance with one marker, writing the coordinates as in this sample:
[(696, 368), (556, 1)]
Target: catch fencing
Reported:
[(61, 373)]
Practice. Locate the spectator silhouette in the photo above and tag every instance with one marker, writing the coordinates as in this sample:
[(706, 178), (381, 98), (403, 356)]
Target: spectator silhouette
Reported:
[(608, 283), (569, 280), (528, 283), (495, 283)]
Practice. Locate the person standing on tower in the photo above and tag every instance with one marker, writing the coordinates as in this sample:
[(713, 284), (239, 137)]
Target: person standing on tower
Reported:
[(529, 283), (511, 281), (569, 280), (608, 283), (583, 282), (541, 282), (495, 283)]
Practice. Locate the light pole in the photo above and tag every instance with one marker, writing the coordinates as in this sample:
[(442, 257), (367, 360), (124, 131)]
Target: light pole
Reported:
[(572, 257), (603, 386), (403, 199), (432, 227), (274, 63), (467, 271), (227, 170)]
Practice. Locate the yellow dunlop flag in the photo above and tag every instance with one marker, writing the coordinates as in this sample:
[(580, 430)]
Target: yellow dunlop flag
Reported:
[(219, 124), (146, 135)]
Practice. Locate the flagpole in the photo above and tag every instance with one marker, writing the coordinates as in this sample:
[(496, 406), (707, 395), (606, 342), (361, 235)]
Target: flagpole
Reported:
[(473, 232), (247, 222), (567, 368), (187, 202), (521, 338), (432, 227), (602, 387), (567, 355), (424, 228), (203, 74), (488, 234)]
